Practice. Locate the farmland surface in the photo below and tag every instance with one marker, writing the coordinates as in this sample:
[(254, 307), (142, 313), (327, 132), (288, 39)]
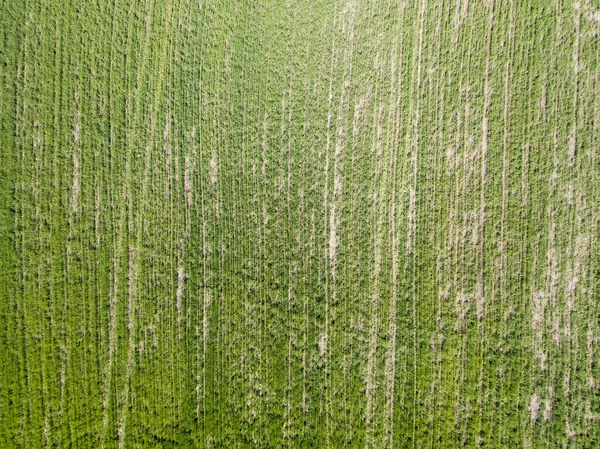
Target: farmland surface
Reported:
[(302, 224)]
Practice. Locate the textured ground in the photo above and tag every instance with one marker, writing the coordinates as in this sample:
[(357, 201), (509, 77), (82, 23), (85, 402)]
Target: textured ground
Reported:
[(299, 223)]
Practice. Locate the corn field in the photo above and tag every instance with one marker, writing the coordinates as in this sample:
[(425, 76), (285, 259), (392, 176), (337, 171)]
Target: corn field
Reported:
[(302, 224)]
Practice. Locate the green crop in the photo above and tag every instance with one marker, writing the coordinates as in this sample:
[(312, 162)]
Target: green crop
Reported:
[(324, 224)]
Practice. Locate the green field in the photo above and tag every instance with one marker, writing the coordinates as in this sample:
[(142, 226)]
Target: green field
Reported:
[(304, 224)]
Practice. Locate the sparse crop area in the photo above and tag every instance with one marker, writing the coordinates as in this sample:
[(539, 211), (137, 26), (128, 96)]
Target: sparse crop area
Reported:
[(302, 224)]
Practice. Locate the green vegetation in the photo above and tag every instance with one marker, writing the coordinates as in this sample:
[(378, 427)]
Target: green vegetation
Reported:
[(325, 223)]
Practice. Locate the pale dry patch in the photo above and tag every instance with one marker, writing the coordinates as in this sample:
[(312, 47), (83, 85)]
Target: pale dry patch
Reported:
[(411, 218), (206, 307), (323, 344), (566, 385), (534, 407), (167, 130), (582, 249), (76, 132), (591, 340), (593, 16), (451, 161), (591, 382), (179, 296), (187, 177), (213, 168), (462, 309), (540, 355), (572, 145), (476, 233), (461, 14), (544, 99), (589, 415), (75, 185), (480, 301), (332, 236)]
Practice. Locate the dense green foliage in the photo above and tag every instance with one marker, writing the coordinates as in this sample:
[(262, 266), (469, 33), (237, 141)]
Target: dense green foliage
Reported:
[(321, 223)]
